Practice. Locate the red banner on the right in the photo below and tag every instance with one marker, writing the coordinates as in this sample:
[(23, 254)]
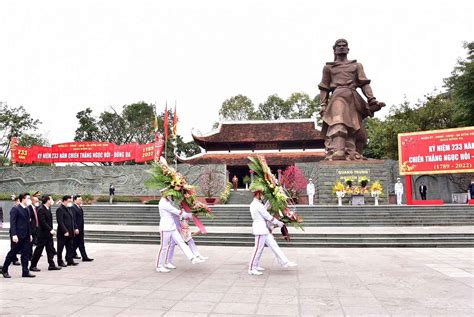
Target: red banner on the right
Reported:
[(437, 151)]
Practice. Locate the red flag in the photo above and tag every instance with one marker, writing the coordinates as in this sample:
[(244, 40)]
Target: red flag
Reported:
[(13, 146), (165, 123), (175, 122)]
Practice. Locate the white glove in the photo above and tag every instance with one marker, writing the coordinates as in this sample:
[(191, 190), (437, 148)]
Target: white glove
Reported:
[(280, 224), (187, 215)]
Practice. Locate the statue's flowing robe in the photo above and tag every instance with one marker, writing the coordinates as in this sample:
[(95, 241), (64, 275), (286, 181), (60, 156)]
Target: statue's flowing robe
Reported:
[(346, 106)]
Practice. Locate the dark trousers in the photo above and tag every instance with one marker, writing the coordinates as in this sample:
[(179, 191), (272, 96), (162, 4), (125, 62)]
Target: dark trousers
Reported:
[(15, 258), (423, 196), (79, 243), (23, 247), (67, 242), (34, 234), (42, 243)]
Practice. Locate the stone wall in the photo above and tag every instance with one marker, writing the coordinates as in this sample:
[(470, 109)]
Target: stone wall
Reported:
[(95, 180), (325, 174)]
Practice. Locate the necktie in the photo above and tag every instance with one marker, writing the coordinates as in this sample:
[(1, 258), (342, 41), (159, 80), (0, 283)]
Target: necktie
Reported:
[(36, 215)]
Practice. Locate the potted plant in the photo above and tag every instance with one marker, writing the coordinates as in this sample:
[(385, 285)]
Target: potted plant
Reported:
[(210, 184), (363, 181), (246, 181), (376, 191), (340, 192)]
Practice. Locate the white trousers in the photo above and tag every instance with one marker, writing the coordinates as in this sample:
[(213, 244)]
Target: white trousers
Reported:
[(399, 198), (260, 242), (311, 200), (166, 238), (170, 253)]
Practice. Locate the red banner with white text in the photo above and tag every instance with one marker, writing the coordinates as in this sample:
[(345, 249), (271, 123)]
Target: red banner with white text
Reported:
[(86, 152), (436, 152)]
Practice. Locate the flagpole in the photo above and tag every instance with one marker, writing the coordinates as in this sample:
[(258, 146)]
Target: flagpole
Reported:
[(165, 117), (175, 129)]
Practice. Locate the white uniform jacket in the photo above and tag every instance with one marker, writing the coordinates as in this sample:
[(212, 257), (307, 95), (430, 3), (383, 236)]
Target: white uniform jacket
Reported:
[(169, 215), (260, 216), (398, 188), (310, 189)]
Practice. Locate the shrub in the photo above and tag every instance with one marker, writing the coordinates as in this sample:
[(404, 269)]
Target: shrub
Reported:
[(224, 197), (5, 196), (152, 202), (131, 199)]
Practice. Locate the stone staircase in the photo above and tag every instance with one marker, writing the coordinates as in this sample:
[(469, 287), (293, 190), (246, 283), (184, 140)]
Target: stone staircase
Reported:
[(314, 216), (419, 240), (240, 197), (231, 223)]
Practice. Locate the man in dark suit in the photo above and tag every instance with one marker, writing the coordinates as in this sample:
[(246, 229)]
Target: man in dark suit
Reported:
[(20, 235), (79, 238), (15, 259), (423, 190), (66, 229), (45, 235), (33, 212)]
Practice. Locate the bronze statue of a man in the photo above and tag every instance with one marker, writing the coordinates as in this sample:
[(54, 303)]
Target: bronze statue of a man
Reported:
[(342, 114)]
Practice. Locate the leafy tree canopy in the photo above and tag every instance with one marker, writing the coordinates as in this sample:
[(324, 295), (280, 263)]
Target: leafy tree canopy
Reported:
[(133, 124)]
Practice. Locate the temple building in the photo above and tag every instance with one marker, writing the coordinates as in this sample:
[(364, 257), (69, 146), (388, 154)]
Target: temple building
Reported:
[(283, 142)]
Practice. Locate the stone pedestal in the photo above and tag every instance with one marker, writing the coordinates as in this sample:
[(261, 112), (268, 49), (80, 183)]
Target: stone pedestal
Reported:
[(326, 173), (357, 200)]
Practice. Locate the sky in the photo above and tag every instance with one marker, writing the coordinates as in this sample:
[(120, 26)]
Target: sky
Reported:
[(60, 57)]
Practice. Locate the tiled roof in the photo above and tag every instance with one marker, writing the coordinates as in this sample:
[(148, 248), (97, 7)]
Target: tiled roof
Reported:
[(234, 159), (288, 134)]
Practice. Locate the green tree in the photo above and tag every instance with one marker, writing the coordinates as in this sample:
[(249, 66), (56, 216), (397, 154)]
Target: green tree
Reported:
[(436, 112), (302, 106), (14, 122), (88, 129), (461, 86), (29, 139), (237, 108), (138, 118), (273, 108), (133, 124)]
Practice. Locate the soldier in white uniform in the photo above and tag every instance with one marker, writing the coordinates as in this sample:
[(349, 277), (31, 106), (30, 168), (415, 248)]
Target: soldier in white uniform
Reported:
[(262, 222), (185, 232), (310, 191), (399, 191), (168, 232)]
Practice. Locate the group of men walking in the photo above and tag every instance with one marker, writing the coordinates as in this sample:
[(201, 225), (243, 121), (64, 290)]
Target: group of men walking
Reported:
[(31, 223)]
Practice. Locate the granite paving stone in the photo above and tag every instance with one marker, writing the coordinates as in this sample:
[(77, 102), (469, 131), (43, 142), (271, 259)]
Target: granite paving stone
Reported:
[(326, 282)]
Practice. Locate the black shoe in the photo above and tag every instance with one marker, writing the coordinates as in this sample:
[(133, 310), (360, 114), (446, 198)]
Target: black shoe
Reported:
[(6, 275), (28, 275), (16, 262), (34, 269), (72, 263), (87, 260), (77, 257), (62, 264), (54, 268)]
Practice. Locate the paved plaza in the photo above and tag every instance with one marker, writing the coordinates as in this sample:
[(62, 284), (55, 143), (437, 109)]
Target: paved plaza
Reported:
[(333, 282)]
